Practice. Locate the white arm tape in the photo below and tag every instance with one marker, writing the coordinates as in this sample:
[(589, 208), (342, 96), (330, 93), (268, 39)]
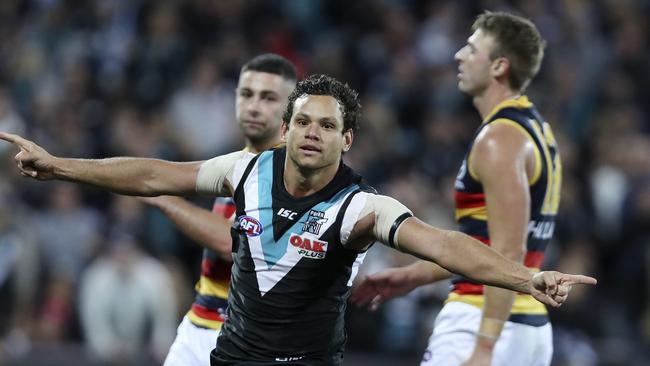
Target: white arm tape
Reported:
[(216, 175), (387, 211)]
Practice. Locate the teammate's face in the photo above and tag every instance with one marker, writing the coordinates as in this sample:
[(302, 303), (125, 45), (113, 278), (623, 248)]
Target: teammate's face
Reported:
[(474, 64), (315, 137), (261, 100)]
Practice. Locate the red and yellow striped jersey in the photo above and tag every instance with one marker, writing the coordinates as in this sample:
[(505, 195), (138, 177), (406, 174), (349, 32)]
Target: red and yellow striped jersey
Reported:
[(211, 302), (471, 210)]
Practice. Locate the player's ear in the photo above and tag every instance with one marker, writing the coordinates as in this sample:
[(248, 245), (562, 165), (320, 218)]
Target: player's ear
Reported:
[(348, 137), (284, 129), (500, 67)]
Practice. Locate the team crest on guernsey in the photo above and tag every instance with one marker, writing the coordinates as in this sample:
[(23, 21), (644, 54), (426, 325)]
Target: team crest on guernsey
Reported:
[(250, 225), (315, 221)]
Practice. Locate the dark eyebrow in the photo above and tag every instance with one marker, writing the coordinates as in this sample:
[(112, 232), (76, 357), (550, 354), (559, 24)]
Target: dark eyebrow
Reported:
[(269, 92), (328, 119)]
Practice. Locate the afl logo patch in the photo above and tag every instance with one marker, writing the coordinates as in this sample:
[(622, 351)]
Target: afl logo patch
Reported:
[(250, 225)]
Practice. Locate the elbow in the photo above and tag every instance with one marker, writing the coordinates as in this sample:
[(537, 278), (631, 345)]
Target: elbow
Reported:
[(151, 185)]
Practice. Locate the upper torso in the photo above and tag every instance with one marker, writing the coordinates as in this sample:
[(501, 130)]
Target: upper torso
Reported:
[(292, 272), (544, 190)]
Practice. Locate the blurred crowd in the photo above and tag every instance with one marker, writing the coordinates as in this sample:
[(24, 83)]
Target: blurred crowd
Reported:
[(95, 277)]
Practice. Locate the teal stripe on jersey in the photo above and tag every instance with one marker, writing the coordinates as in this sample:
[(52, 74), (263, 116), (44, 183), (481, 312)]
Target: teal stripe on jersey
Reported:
[(274, 250), (297, 227)]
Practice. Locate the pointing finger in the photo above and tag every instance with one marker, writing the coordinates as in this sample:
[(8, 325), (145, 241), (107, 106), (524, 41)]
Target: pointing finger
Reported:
[(14, 139), (570, 279)]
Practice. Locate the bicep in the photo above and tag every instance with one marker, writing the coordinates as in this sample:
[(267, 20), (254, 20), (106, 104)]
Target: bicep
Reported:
[(181, 177), (380, 219), (502, 163)]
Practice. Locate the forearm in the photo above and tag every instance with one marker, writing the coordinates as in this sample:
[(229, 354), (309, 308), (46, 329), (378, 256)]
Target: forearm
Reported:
[(459, 253), (131, 176), (202, 226), (424, 272)]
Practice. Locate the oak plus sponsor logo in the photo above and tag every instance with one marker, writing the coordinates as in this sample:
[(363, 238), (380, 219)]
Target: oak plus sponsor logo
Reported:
[(308, 247), (250, 225)]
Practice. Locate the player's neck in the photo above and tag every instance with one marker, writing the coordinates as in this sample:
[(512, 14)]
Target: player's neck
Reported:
[(492, 96), (300, 182), (257, 147)]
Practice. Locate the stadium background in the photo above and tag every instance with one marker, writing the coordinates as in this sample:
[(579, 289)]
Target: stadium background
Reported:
[(156, 78)]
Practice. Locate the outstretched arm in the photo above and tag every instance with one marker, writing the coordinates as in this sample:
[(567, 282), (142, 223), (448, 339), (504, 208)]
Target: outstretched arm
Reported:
[(383, 220), (132, 176), (207, 228), (459, 253)]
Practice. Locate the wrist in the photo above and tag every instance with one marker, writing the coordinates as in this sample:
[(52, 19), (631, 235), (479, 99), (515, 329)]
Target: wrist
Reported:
[(489, 331), (486, 342), (59, 168)]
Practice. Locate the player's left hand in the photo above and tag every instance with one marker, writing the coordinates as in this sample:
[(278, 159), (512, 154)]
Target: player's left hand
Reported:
[(552, 288)]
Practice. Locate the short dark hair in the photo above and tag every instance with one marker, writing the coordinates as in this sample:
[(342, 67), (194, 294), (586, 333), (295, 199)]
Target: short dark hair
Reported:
[(517, 39), (273, 64), (347, 97)]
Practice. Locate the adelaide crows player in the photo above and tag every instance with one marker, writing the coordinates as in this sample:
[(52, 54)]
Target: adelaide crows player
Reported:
[(507, 196)]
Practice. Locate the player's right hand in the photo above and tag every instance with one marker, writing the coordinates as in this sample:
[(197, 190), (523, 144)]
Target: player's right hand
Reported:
[(32, 160), (552, 288), (382, 286)]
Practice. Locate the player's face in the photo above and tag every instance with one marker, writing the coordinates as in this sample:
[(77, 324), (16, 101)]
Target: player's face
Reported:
[(474, 64), (315, 137), (261, 100)]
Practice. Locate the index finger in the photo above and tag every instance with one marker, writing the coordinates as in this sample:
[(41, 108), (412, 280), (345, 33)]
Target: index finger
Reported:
[(14, 139), (570, 279)]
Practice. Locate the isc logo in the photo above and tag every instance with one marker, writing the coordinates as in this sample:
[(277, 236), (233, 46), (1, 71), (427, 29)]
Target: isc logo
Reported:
[(310, 248), (250, 225), (287, 213)]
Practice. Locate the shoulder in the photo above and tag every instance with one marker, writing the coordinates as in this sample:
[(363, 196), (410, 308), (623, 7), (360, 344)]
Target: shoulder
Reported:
[(228, 159), (501, 139)]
